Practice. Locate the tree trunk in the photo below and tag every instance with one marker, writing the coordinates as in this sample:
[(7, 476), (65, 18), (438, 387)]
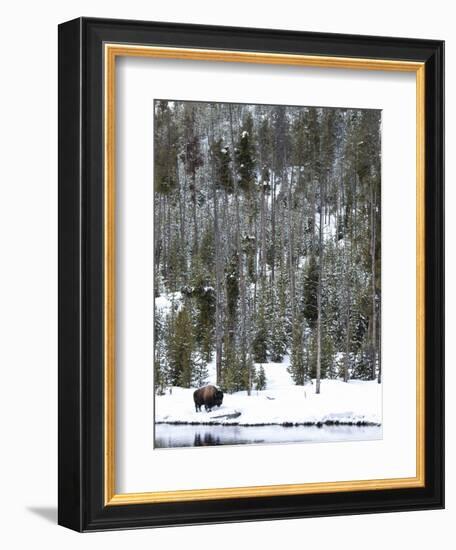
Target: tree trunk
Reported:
[(218, 276), (379, 378), (320, 271), (291, 267), (158, 237), (167, 238), (262, 234), (373, 246), (273, 228), (347, 284), (182, 255), (195, 221), (236, 191)]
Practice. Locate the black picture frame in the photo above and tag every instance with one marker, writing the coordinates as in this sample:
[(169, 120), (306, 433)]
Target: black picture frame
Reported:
[(81, 399)]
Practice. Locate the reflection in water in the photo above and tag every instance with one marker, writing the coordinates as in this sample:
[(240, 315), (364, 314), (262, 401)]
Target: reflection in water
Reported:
[(169, 435), (206, 439)]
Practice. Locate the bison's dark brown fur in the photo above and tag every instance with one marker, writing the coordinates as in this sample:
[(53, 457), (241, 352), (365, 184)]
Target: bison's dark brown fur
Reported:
[(209, 396)]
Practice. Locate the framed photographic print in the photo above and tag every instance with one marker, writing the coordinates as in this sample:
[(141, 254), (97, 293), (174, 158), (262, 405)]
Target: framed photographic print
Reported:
[(250, 274)]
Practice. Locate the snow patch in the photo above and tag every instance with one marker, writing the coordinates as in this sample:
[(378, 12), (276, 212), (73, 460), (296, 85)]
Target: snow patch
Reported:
[(164, 302)]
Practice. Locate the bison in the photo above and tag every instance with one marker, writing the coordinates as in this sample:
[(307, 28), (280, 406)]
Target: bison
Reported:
[(209, 396)]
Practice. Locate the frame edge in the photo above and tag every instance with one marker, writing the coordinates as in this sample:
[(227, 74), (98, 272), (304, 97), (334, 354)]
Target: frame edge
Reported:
[(70, 476)]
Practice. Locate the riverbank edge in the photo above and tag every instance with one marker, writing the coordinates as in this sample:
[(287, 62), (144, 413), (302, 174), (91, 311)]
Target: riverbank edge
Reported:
[(318, 424)]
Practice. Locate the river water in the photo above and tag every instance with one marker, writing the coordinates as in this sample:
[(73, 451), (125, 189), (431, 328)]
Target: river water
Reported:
[(170, 435)]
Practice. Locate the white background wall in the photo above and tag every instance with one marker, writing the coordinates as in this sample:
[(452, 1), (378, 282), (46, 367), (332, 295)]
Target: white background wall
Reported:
[(28, 274)]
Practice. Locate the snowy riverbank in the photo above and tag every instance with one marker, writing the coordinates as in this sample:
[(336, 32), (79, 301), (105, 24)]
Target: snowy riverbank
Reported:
[(281, 403)]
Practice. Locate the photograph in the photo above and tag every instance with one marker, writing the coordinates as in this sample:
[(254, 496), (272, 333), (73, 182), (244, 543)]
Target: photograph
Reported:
[(267, 267)]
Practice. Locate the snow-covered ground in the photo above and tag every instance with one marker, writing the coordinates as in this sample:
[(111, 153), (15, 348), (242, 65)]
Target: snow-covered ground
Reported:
[(281, 403)]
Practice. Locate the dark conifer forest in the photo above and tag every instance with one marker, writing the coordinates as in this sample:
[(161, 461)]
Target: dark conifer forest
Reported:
[(267, 243)]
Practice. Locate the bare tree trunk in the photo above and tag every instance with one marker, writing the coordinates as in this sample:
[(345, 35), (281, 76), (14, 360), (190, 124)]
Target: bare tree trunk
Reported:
[(379, 378), (320, 271), (236, 190), (181, 222), (167, 238), (219, 297), (347, 263), (290, 249), (273, 227), (262, 234), (373, 246), (158, 237), (195, 221), (347, 328), (218, 276)]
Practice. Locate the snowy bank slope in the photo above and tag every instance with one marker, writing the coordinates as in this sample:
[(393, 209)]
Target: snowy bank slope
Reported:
[(281, 403)]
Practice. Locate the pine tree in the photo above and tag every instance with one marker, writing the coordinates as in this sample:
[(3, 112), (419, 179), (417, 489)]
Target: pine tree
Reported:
[(166, 147), (221, 157), (231, 368), (176, 266), (232, 292), (200, 373), (207, 252), (203, 295), (245, 156), (279, 321), (260, 340), (310, 287), (278, 340), (328, 367), (260, 378), (161, 367), (180, 350), (297, 367), (193, 160)]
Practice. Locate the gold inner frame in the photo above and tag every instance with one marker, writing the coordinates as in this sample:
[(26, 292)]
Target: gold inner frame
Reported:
[(111, 52)]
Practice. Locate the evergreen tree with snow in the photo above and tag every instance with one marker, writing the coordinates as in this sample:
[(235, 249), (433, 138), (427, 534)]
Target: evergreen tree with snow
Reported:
[(221, 156), (181, 350), (166, 149), (297, 367), (278, 340), (232, 293), (203, 297), (260, 340), (278, 322), (260, 378), (309, 299), (232, 379), (200, 373), (245, 156), (193, 160), (161, 367)]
